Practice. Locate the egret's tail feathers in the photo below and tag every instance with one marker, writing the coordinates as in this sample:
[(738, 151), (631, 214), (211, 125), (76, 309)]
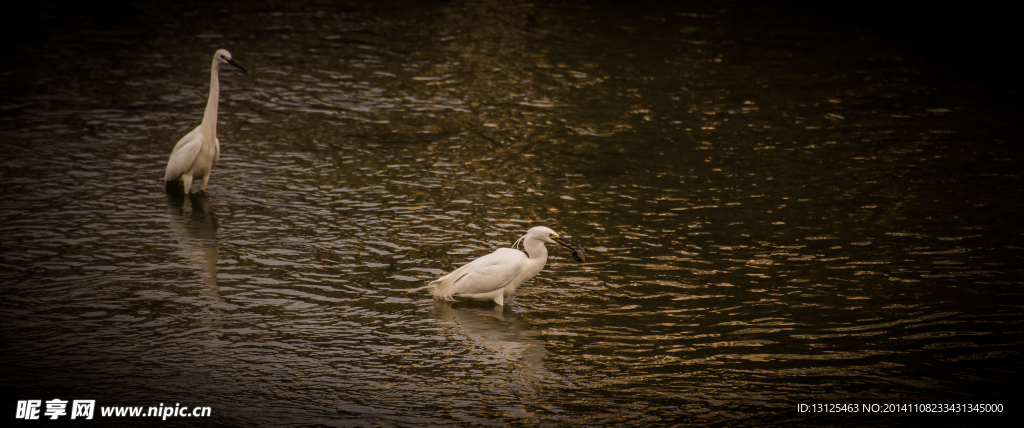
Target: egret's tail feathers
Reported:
[(444, 287), (435, 289), (418, 289)]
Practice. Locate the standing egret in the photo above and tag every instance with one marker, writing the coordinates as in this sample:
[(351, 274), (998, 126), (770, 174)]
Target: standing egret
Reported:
[(197, 152), (496, 276)]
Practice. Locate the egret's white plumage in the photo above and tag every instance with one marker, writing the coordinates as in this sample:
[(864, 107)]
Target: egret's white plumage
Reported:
[(496, 276), (197, 152)]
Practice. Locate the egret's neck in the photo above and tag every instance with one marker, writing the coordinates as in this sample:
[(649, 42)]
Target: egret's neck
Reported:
[(538, 256), (536, 250), (210, 116)]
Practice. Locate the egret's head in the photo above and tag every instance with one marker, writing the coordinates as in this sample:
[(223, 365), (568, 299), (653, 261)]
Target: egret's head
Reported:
[(549, 236), (224, 57), (543, 234)]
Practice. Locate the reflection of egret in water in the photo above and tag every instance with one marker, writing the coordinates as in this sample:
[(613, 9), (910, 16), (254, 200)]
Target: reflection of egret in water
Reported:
[(194, 224), (507, 338)]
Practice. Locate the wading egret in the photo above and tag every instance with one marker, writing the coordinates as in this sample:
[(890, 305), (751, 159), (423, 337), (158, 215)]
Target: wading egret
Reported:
[(496, 276), (197, 152)]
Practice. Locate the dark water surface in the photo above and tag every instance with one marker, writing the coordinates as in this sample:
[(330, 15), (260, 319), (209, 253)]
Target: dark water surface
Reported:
[(779, 206)]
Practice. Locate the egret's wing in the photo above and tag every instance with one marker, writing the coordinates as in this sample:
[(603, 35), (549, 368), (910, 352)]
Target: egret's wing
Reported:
[(188, 138), (183, 155), (216, 152), (490, 272), (482, 275)]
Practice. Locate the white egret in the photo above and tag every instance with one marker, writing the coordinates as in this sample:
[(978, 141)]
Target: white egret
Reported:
[(496, 276), (197, 152)]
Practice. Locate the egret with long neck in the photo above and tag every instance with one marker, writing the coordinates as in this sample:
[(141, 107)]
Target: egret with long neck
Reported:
[(496, 276), (197, 152)]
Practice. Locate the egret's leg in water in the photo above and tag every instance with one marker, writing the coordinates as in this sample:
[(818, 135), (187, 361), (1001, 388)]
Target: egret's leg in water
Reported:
[(186, 181), (202, 189)]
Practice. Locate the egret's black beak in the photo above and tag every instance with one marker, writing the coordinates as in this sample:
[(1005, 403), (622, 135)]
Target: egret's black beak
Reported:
[(232, 62), (577, 249)]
